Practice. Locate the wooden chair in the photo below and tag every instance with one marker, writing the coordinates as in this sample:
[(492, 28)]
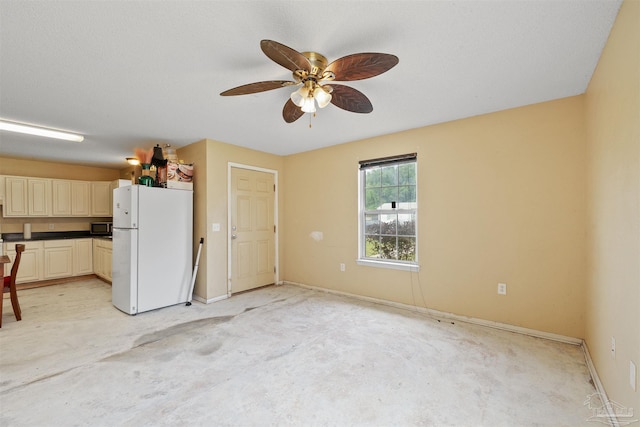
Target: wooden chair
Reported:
[(9, 285)]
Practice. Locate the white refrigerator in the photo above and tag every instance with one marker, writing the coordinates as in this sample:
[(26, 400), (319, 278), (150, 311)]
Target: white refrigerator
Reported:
[(152, 247)]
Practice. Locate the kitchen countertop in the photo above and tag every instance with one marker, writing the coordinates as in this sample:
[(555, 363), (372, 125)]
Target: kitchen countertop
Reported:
[(57, 235)]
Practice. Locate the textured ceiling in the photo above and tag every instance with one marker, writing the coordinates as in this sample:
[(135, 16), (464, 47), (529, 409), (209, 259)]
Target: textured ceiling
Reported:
[(134, 73)]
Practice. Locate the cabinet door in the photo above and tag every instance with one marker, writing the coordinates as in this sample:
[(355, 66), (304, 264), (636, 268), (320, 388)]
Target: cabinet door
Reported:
[(97, 261), (83, 257), (101, 198), (39, 196), (106, 264), (113, 186), (61, 197), (1, 190), (16, 199), (30, 269), (80, 198), (58, 262), (102, 258)]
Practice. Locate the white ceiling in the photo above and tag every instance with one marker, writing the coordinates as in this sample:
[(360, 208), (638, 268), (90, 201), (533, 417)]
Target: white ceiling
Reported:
[(132, 74)]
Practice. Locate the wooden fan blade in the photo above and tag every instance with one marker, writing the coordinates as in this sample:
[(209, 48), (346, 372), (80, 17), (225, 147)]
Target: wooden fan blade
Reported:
[(257, 87), (361, 66), (291, 112), (285, 56), (350, 99)]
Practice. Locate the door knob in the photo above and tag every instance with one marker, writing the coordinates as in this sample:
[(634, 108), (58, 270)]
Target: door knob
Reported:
[(233, 236)]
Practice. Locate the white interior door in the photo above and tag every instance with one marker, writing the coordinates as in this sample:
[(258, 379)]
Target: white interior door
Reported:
[(252, 229)]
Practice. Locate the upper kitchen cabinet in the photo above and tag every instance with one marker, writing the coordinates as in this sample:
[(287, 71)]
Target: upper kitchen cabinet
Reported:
[(61, 197), (27, 196), (39, 191), (1, 190), (80, 198), (101, 196), (16, 196)]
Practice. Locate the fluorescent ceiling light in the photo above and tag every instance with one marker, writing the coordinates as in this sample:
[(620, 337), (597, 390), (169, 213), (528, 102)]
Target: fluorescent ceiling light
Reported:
[(39, 131)]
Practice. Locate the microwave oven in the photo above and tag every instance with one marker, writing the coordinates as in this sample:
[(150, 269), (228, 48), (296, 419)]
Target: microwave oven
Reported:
[(101, 228)]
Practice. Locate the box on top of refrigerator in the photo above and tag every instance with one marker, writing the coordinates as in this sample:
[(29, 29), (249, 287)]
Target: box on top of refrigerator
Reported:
[(179, 175)]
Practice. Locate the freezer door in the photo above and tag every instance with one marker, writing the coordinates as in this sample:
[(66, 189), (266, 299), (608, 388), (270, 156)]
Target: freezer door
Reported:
[(124, 282), (125, 207)]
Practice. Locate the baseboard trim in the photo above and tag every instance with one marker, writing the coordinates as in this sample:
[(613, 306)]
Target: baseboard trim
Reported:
[(450, 316), (613, 419), (51, 282), (210, 300)]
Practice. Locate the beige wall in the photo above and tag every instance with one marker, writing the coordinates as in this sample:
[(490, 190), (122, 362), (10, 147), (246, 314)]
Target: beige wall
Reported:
[(196, 153), (211, 201), (42, 169), (613, 134), (501, 199)]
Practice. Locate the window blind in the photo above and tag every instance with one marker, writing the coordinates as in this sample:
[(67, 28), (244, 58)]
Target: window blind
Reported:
[(364, 164)]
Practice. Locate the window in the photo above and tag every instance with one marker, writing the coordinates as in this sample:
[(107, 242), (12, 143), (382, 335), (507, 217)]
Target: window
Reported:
[(388, 212)]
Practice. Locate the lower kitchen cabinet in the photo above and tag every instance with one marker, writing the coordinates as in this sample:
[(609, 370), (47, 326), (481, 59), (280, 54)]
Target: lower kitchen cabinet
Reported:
[(58, 258), (106, 262), (31, 264), (102, 250), (53, 259), (83, 257)]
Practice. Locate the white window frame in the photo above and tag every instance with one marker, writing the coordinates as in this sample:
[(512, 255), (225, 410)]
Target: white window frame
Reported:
[(384, 263)]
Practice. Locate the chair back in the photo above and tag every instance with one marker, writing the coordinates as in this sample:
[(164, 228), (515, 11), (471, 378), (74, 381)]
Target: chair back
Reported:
[(16, 263)]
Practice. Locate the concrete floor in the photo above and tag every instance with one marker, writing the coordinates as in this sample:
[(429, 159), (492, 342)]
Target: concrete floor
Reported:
[(277, 356)]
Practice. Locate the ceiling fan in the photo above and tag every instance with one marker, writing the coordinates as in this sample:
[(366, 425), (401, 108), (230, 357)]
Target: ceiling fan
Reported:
[(311, 74)]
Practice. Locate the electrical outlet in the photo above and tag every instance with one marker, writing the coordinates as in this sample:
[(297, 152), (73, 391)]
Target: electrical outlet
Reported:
[(502, 288), (215, 227), (632, 375), (342, 267), (613, 347), (51, 226)]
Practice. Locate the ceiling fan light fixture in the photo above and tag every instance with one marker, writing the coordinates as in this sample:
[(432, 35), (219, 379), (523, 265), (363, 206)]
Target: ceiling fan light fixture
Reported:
[(299, 96), (321, 96), (309, 105)]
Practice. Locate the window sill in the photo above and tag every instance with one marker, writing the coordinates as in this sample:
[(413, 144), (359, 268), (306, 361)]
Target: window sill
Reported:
[(389, 264)]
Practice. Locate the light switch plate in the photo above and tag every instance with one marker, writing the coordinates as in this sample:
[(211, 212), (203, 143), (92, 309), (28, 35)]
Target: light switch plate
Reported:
[(215, 227)]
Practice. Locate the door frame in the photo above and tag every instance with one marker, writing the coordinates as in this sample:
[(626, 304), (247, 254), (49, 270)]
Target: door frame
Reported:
[(231, 165)]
